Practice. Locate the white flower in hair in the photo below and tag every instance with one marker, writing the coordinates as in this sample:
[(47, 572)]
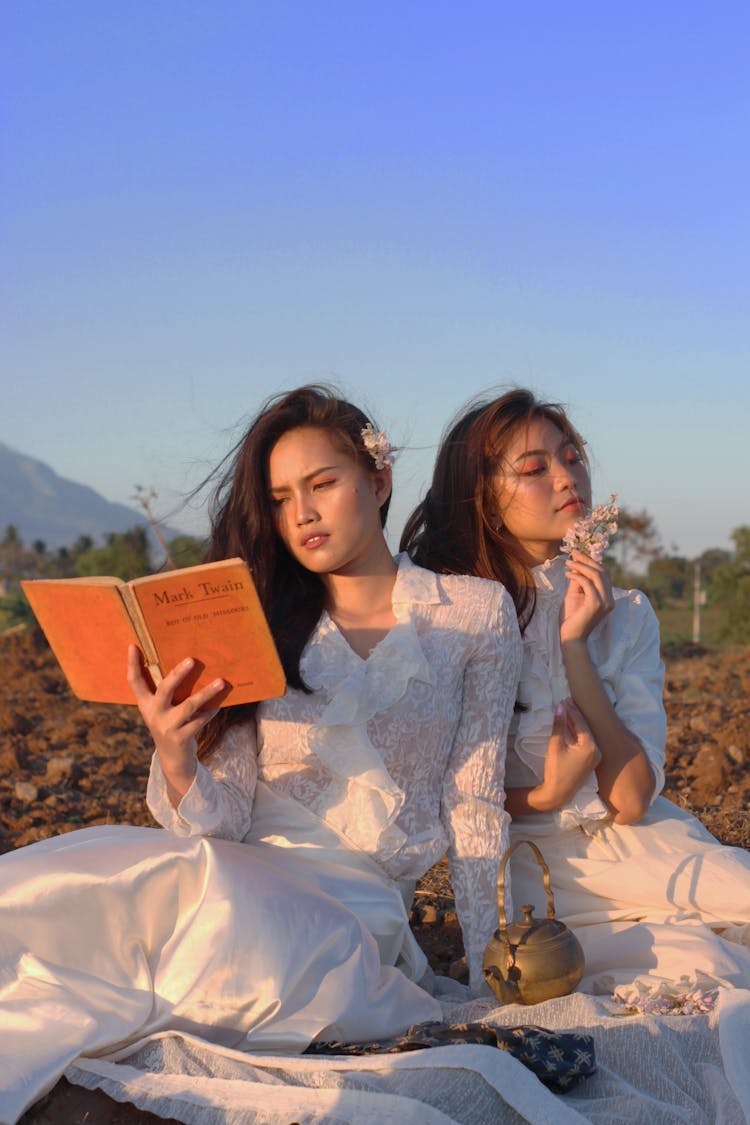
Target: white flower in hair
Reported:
[(591, 534), (377, 445)]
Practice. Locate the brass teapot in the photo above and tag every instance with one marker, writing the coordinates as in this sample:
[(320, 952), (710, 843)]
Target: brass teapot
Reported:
[(534, 959)]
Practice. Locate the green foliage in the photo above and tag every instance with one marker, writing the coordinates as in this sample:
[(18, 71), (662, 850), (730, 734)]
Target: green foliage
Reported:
[(731, 589), (11, 554), (668, 578), (186, 550), (676, 623), (710, 562), (633, 547), (125, 555), (14, 610), (735, 625)]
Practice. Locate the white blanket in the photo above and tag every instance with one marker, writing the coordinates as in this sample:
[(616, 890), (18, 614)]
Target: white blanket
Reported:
[(654, 1070)]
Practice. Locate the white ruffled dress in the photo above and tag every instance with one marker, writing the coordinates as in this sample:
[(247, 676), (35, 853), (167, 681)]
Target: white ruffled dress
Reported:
[(647, 898), (272, 910)]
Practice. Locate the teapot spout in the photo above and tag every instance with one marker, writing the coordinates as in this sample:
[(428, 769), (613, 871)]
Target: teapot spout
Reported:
[(507, 991)]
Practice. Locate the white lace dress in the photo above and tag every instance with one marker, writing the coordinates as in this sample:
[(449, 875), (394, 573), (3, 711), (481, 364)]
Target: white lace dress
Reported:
[(272, 910), (646, 898)]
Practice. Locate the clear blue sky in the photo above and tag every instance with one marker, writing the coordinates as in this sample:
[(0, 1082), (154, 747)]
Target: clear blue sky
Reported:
[(204, 203)]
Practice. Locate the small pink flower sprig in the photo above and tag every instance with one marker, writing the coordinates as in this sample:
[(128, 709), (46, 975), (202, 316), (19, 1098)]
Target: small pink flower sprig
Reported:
[(377, 445), (693, 1003), (591, 534)]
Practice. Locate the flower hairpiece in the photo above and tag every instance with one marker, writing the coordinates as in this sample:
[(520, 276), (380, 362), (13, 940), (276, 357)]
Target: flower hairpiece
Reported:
[(377, 445), (591, 534)]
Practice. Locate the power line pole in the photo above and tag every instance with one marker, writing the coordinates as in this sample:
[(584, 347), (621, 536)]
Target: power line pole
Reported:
[(698, 600)]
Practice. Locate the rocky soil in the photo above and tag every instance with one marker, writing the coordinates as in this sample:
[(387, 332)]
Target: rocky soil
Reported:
[(65, 764)]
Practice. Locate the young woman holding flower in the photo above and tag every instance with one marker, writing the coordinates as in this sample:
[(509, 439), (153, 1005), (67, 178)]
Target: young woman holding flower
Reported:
[(586, 753), (272, 910)]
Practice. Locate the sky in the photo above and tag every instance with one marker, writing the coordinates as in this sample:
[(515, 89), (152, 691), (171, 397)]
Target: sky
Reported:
[(203, 204)]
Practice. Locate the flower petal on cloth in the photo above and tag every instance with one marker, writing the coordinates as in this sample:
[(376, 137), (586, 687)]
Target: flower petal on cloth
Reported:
[(689, 995)]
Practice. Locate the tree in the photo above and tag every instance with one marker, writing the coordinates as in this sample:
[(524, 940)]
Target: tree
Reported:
[(125, 554), (667, 578), (63, 563), (636, 541), (731, 587), (186, 550), (11, 553), (82, 544), (711, 561)]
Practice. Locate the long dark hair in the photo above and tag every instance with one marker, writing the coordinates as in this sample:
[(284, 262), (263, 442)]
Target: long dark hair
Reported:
[(455, 528), (243, 524)]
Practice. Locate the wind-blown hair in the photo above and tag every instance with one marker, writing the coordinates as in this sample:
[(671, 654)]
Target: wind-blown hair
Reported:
[(243, 524), (457, 528)]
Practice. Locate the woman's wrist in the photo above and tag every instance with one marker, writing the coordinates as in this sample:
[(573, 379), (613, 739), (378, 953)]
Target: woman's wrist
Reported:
[(571, 646), (541, 800), (526, 801), (179, 775)]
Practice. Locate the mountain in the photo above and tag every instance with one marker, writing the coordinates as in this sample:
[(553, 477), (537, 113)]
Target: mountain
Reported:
[(43, 505)]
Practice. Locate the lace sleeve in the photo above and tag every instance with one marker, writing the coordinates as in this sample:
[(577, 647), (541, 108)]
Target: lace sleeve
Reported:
[(220, 800), (473, 792)]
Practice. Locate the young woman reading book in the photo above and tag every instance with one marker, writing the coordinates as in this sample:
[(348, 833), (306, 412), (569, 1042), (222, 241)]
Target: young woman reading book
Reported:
[(643, 883), (273, 911)]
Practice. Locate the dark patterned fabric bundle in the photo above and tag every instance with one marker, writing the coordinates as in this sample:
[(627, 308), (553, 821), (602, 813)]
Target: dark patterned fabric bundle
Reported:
[(559, 1059)]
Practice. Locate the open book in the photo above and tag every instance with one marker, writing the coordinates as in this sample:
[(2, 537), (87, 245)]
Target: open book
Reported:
[(210, 612)]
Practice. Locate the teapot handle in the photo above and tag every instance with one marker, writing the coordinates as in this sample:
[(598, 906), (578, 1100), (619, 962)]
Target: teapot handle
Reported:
[(545, 876)]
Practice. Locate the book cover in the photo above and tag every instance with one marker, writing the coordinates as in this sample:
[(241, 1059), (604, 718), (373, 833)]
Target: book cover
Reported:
[(211, 613)]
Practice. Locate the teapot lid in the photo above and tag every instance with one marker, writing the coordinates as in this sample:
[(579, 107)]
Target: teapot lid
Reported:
[(531, 930)]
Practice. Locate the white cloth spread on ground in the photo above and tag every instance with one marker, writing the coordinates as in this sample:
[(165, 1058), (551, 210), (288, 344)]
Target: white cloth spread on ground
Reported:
[(644, 899), (268, 915), (651, 1071)]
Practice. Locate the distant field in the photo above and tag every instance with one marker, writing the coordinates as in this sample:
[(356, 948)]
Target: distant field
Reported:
[(677, 623)]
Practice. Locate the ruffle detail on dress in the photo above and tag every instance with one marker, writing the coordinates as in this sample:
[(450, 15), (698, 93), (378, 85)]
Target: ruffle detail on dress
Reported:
[(362, 801), (586, 809)]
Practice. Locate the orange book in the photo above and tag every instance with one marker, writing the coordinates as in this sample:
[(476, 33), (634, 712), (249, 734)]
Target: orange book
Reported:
[(210, 612)]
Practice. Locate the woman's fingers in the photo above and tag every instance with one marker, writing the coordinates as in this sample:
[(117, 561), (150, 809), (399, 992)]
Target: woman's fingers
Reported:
[(136, 678), (174, 677), (166, 687), (157, 704), (592, 576), (588, 600), (195, 706), (579, 737)]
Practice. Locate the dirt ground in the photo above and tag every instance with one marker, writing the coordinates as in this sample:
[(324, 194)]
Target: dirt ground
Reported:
[(65, 764)]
